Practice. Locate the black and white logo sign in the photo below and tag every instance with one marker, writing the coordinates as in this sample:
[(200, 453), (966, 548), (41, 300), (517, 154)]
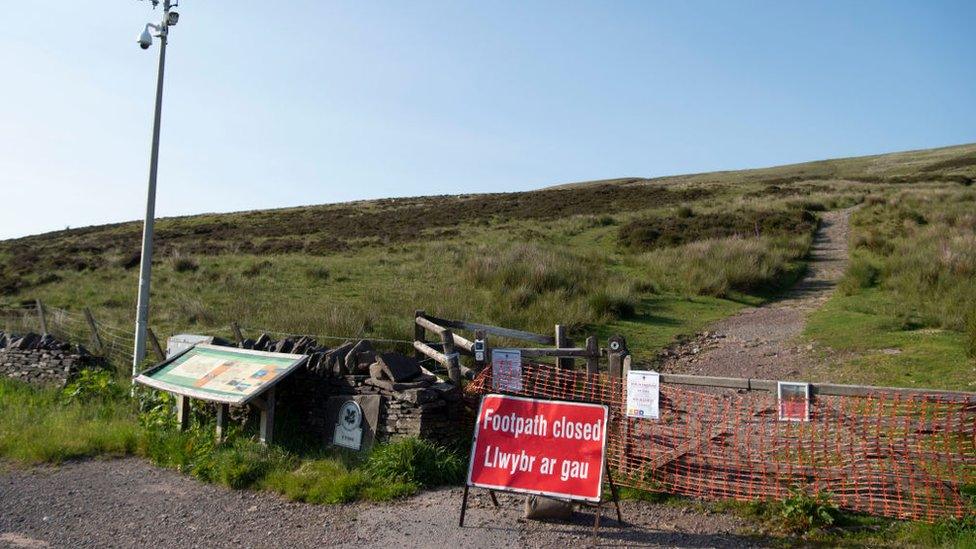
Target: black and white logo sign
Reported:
[(349, 427)]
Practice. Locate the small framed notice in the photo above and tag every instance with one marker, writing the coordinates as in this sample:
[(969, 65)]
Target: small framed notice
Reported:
[(506, 370), (643, 394), (794, 401)]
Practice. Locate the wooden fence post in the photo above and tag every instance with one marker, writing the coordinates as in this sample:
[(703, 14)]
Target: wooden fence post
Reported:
[(155, 344), (40, 315), (94, 330), (453, 366), (592, 355), (616, 352), (237, 333), (565, 363), (481, 335), (418, 333)]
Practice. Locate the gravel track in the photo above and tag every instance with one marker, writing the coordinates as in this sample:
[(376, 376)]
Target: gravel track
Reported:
[(761, 342), (130, 503)]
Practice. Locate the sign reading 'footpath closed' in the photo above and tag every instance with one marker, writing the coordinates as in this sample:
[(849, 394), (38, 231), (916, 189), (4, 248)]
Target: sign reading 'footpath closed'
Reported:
[(544, 447)]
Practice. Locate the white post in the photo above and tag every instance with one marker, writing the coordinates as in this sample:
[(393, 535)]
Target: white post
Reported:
[(145, 267)]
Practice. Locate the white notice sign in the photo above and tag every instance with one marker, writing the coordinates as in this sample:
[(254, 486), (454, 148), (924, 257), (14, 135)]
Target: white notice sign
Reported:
[(506, 370), (643, 391)]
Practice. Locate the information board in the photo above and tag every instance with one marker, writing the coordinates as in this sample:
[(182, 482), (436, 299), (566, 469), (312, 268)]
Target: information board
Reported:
[(545, 447), (643, 394), (221, 374)]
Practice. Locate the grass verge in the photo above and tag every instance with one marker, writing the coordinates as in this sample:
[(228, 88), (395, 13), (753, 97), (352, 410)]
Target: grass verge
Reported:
[(50, 426)]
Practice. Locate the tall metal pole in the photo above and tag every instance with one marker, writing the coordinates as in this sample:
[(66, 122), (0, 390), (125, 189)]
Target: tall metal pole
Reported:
[(145, 268)]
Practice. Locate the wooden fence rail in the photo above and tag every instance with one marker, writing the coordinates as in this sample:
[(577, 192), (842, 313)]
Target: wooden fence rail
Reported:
[(451, 345)]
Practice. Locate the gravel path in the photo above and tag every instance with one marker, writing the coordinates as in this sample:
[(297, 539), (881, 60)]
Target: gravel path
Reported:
[(761, 342), (129, 503)]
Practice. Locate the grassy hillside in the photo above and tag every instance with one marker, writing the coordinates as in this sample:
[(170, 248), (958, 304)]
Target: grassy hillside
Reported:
[(650, 258)]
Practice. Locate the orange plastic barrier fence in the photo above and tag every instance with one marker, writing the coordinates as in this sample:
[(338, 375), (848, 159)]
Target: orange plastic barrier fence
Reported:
[(906, 456)]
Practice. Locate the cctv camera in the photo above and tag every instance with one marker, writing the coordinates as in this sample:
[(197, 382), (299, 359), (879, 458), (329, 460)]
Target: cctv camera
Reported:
[(172, 18), (145, 39)]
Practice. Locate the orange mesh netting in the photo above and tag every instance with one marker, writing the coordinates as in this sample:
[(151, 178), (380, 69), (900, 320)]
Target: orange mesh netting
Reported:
[(891, 454)]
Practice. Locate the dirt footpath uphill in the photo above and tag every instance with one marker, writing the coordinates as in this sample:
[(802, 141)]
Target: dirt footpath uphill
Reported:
[(129, 503), (762, 342)]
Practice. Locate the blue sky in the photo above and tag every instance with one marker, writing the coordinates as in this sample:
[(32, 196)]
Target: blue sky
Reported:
[(274, 104)]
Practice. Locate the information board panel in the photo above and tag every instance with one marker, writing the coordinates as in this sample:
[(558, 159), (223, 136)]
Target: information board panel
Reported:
[(221, 374), (545, 447)]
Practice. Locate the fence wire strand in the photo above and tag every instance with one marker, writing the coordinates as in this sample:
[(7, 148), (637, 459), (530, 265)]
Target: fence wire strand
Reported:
[(906, 456)]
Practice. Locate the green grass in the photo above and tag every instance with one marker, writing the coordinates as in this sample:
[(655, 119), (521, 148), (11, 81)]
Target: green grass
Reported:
[(877, 348), (904, 315), (39, 426), (50, 426), (525, 260)]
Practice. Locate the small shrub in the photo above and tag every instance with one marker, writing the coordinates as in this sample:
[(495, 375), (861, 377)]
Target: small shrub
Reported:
[(130, 260), (242, 464), (684, 212), (614, 302), (416, 461), (256, 268), (90, 385), (802, 512), (47, 278), (863, 272), (319, 481), (184, 264), (317, 273), (665, 232)]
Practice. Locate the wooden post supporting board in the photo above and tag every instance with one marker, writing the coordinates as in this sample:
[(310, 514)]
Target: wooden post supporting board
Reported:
[(155, 344), (267, 406), (96, 337), (223, 411), (41, 317), (183, 411)]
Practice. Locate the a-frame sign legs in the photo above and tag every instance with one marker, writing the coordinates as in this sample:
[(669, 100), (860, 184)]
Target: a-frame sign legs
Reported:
[(616, 501), (464, 506), (464, 503), (613, 494)]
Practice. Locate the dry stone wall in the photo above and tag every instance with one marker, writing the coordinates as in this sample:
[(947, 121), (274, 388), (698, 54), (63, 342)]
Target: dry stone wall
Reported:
[(42, 360), (413, 402)]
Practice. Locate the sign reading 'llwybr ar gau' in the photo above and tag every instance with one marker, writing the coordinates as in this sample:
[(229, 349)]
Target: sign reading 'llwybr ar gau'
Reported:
[(544, 447)]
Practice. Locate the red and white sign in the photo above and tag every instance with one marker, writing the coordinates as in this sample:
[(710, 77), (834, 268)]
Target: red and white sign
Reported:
[(794, 401), (546, 447)]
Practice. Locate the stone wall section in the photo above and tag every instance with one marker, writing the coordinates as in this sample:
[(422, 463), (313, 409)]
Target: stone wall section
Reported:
[(41, 367), (433, 413)]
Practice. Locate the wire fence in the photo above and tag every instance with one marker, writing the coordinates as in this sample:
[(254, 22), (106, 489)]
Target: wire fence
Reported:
[(116, 343), (906, 456)]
